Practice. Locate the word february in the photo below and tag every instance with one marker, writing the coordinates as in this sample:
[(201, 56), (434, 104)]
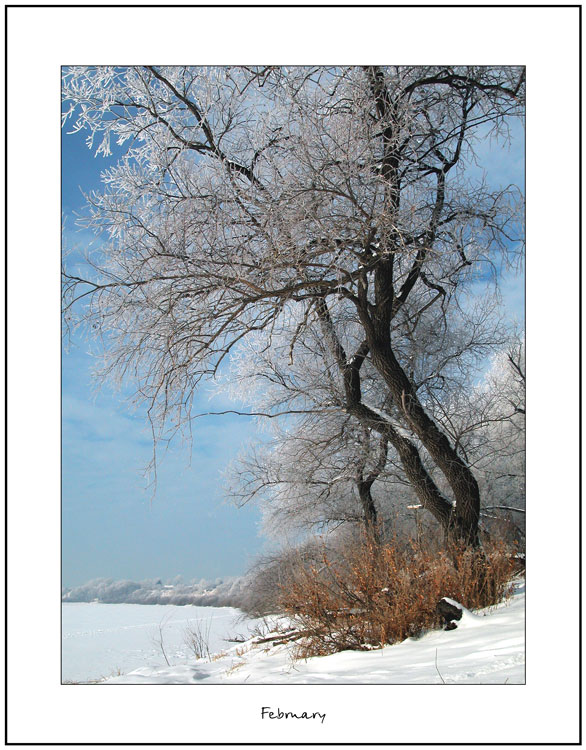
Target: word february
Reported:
[(266, 712)]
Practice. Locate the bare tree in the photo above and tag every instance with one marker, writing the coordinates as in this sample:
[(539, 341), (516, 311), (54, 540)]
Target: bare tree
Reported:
[(323, 468), (319, 467), (248, 192)]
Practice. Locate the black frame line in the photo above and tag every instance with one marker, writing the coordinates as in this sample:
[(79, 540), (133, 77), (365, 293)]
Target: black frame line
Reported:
[(286, 744)]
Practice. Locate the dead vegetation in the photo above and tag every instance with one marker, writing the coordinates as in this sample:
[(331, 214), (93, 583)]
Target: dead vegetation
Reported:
[(368, 595)]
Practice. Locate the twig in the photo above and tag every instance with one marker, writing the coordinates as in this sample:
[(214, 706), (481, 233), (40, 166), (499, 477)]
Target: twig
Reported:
[(159, 641), (437, 668), (282, 638)]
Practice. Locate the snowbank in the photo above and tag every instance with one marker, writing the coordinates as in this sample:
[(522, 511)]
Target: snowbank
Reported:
[(487, 647)]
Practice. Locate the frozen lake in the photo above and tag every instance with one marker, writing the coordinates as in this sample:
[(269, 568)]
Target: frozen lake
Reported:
[(101, 640)]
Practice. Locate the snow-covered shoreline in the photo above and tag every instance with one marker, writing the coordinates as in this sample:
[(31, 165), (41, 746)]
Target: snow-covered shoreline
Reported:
[(203, 593), (488, 647)]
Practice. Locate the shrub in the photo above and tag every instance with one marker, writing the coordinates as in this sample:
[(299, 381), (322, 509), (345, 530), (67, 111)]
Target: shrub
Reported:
[(266, 579), (369, 595)]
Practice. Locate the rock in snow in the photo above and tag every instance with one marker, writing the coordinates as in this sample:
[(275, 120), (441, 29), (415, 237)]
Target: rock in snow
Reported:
[(450, 611)]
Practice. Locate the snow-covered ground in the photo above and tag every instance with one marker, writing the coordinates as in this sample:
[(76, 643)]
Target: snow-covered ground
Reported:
[(100, 640), (487, 647)]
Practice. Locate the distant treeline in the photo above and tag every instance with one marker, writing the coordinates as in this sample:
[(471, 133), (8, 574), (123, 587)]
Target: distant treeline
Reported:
[(226, 592)]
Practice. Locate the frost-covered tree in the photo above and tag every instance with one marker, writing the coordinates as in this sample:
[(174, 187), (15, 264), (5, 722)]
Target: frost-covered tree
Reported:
[(319, 466), (496, 449), (316, 476), (337, 193), (322, 467)]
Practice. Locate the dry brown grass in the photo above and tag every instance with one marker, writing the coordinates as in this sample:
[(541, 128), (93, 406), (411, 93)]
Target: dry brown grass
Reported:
[(374, 595), (219, 655), (235, 667)]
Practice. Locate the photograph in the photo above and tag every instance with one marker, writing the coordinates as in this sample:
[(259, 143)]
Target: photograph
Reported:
[(296, 294)]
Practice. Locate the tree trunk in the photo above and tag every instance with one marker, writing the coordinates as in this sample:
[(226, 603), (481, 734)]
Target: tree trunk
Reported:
[(427, 491), (464, 521), (377, 319), (425, 488), (369, 510)]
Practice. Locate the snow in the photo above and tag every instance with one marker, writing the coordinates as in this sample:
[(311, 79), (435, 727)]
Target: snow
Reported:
[(100, 640), (488, 647)]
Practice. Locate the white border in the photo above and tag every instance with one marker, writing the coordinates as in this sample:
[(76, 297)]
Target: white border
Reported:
[(40, 41)]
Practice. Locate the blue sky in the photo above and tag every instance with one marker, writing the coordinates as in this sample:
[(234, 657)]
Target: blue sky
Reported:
[(112, 525)]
